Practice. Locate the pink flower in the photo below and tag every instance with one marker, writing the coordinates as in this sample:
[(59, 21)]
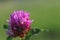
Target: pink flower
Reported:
[(19, 23)]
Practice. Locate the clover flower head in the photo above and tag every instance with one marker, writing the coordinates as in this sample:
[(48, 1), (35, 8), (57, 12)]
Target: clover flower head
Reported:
[(19, 23)]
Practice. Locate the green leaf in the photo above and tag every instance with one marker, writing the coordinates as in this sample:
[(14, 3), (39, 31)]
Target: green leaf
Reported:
[(32, 32), (28, 35), (36, 31), (9, 38), (5, 26)]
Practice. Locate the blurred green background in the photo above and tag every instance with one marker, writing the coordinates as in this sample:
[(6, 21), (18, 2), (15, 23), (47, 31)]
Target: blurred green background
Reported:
[(45, 13)]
